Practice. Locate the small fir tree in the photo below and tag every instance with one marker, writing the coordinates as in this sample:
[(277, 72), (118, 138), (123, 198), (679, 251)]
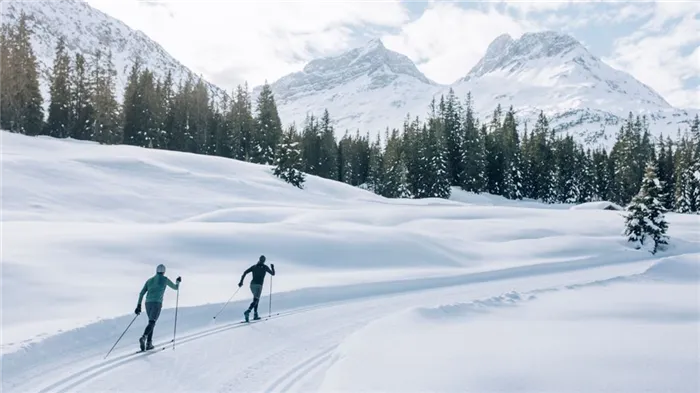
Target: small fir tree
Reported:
[(288, 161), (645, 221)]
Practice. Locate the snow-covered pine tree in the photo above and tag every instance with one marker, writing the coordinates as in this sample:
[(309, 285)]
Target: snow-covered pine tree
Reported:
[(288, 162), (601, 175), (666, 172), (451, 113), (268, 125), (311, 145), (645, 222), (394, 180), (688, 190), (375, 173), (473, 176)]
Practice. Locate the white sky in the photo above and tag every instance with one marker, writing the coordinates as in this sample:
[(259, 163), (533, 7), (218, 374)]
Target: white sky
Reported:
[(230, 42)]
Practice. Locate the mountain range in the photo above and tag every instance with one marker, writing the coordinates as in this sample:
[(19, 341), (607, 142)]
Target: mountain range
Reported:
[(372, 88), (87, 30)]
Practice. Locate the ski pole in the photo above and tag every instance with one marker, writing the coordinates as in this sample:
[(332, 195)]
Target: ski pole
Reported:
[(269, 310), (120, 337), (229, 299), (177, 302)]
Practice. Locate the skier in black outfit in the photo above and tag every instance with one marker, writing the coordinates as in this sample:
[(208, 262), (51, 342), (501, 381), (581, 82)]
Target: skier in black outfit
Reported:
[(256, 285)]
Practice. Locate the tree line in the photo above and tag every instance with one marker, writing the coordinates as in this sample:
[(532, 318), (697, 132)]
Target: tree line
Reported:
[(426, 158)]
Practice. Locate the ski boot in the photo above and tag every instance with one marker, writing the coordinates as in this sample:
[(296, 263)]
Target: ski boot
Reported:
[(247, 315), (142, 343), (149, 346), (256, 317)]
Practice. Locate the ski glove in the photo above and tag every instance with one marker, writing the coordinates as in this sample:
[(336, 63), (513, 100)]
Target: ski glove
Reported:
[(178, 279), (273, 266), (138, 310), (240, 284)]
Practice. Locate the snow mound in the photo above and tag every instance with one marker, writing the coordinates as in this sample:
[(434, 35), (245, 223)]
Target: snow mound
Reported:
[(600, 205), (118, 211), (676, 268), (632, 337), (461, 310), (472, 198)]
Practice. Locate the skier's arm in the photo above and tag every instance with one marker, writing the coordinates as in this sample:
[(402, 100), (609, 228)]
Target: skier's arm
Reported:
[(270, 271), (143, 292), (245, 273), (171, 284)]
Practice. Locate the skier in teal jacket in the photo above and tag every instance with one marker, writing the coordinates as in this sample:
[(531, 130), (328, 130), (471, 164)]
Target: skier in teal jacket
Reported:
[(155, 287)]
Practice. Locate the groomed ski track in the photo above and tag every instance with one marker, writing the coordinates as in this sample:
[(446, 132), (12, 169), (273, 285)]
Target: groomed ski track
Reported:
[(289, 350)]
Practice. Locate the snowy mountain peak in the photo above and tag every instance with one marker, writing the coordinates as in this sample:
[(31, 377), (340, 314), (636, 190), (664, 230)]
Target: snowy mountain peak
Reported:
[(87, 30), (505, 52), (372, 66)]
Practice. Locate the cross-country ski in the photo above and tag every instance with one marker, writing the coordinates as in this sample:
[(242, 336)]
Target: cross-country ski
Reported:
[(349, 197)]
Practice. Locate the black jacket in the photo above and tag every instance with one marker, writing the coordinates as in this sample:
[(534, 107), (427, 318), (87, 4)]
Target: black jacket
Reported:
[(258, 270)]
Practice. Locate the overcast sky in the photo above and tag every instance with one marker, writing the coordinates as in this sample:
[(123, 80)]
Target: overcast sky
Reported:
[(256, 40)]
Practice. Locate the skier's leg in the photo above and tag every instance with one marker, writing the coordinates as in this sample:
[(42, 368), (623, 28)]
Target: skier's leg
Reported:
[(153, 311), (257, 291)]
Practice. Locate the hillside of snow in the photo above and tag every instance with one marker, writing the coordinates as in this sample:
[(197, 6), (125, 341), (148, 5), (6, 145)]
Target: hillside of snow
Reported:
[(533, 297), (546, 71), (87, 30)]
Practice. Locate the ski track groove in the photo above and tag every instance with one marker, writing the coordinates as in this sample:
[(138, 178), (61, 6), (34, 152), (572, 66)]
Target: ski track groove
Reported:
[(294, 375), (108, 365), (67, 383)]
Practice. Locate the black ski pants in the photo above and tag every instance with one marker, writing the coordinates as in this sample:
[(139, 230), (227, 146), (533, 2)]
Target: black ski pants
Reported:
[(153, 312), (256, 289)]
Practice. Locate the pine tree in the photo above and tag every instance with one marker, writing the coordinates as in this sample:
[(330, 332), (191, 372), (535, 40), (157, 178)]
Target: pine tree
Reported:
[(7, 79), (105, 128), (288, 161), (311, 146), (327, 149), (452, 128), (21, 101), (60, 107), (434, 175), (645, 222), (688, 192), (601, 175), (131, 108), (198, 122), (473, 177), (666, 172), (510, 147), (345, 169), (243, 124), (394, 180), (268, 126), (566, 186), (82, 109)]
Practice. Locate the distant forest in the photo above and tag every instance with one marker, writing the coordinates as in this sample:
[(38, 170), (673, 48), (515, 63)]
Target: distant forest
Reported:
[(420, 159)]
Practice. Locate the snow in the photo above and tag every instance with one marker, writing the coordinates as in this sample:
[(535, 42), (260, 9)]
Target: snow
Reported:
[(620, 336), (599, 205), (371, 88), (545, 71), (87, 30), (490, 289)]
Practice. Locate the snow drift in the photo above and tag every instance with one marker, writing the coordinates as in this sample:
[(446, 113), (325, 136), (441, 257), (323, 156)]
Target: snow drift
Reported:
[(476, 280)]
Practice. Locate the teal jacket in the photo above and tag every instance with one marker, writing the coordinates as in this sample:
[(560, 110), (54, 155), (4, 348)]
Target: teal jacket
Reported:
[(155, 286)]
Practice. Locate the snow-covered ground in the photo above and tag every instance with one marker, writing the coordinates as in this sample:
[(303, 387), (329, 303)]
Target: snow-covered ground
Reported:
[(477, 293)]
